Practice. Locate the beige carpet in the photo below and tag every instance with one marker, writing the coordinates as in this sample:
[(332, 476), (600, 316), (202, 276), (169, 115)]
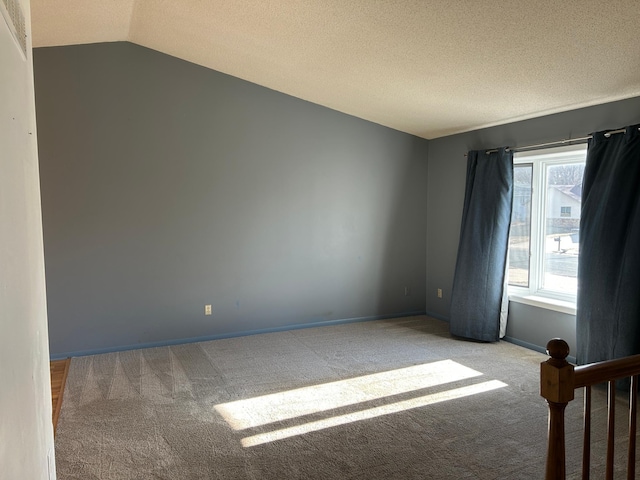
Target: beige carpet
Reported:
[(389, 399)]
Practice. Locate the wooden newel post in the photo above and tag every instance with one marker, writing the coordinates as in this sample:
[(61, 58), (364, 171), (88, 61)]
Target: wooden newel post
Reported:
[(557, 387)]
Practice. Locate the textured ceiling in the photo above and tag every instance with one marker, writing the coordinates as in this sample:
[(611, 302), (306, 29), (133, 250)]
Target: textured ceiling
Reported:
[(426, 67)]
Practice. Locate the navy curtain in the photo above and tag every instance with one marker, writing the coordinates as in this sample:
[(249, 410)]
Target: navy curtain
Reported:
[(478, 283), (608, 306)]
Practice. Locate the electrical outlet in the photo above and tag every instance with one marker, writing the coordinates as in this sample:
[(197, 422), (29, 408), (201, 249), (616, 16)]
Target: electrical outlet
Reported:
[(439, 293), (407, 291), (207, 309)]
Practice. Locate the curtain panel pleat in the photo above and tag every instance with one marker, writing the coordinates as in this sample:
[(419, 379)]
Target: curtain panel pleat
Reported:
[(478, 282), (608, 303)]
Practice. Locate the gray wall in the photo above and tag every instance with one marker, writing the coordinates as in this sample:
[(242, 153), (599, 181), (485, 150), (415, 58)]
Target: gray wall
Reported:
[(445, 191), (26, 432), (167, 186)]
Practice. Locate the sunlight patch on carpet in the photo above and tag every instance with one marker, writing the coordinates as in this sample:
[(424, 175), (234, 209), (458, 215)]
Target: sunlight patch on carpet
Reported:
[(372, 413), (257, 411), (262, 410)]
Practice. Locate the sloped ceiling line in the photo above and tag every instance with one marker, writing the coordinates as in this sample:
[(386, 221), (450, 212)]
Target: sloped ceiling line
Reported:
[(426, 67)]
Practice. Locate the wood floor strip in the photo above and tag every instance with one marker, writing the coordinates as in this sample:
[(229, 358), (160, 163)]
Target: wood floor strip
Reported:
[(59, 371)]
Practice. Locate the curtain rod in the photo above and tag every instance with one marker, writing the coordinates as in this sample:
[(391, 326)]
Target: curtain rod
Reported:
[(559, 142)]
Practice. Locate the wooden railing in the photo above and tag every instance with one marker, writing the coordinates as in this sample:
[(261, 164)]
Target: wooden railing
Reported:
[(558, 381)]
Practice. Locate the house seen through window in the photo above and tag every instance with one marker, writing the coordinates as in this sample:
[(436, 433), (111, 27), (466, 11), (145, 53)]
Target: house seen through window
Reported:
[(545, 225)]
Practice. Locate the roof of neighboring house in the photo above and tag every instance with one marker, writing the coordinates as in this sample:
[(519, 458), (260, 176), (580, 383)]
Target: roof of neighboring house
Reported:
[(573, 191)]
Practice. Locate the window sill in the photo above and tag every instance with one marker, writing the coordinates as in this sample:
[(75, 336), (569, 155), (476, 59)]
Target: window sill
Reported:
[(545, 302)]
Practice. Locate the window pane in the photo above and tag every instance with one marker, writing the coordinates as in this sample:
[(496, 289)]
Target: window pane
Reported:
[(562, 222), (520, 237)]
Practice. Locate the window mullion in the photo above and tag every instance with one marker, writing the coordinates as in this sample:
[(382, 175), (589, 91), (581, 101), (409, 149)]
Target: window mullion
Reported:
[(537, 250)]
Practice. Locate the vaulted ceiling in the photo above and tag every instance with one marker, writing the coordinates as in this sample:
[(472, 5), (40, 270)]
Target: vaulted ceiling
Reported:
[(426, 67)]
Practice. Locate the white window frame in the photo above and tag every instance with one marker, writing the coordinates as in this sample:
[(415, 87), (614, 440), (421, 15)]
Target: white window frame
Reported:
[(535, 294)]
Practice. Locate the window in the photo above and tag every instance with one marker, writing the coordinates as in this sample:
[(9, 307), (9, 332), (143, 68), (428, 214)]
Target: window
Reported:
[(544, 240)]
